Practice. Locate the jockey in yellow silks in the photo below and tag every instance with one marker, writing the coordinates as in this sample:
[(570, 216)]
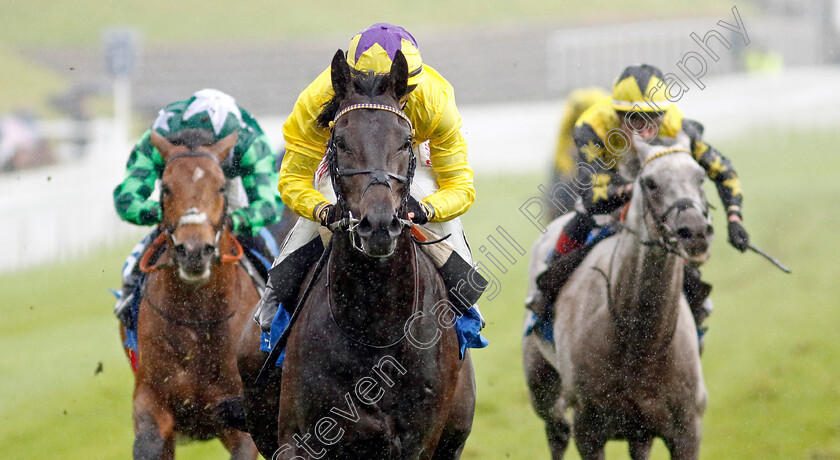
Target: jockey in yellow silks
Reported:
[(565, 151), (442, 188), (638, 104)]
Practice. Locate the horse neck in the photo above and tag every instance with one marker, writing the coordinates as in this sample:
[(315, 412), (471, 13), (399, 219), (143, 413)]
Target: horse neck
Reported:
[(646, 284), (370, 294)]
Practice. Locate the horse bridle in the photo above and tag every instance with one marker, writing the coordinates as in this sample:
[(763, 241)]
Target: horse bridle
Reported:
[(667, 236), (191, 216), (347, 222)]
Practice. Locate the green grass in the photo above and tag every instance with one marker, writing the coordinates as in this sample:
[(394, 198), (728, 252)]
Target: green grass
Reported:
[(162, 22), (771, 364)]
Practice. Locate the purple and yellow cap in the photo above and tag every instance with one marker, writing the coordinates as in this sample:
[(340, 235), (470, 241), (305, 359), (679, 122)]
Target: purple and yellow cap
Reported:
[(374, 49)]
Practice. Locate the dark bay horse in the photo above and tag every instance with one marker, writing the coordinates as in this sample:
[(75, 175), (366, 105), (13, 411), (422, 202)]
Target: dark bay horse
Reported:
[(369, 372), (625, 357), (196, 300)]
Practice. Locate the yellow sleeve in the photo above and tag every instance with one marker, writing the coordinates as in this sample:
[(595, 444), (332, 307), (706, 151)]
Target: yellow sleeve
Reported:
[(440, 123), (565, 149), (305, 146)]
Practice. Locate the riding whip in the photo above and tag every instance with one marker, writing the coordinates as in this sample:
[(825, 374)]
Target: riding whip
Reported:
[(772, 259)]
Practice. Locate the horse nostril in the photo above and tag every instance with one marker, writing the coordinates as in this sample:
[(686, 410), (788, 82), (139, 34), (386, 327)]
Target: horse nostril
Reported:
[(365, 228), (396, 227), (684, 233), (209, 250), (180, 251), (710, 230)]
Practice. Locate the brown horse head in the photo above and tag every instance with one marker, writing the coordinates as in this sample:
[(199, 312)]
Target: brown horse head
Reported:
[(671, 183), (192, 198), (370, 154)]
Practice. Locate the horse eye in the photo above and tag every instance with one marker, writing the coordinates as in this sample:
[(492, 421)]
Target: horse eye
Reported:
[(164, 190), (407, 144), (340, 144), (649, 184), (223, 189)]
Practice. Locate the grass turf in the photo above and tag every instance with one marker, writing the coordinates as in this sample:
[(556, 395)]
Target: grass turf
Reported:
[(771, 363)]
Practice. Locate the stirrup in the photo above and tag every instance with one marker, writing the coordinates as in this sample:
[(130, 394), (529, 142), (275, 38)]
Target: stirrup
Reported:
[(122, 307)]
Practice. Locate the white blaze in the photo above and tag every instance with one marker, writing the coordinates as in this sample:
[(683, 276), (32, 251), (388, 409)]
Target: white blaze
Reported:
[(197, 174)]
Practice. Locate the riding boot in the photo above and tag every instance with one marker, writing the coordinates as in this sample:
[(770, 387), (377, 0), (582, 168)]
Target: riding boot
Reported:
[(697, 294), (132, 278), (569, 252), (284, 282)]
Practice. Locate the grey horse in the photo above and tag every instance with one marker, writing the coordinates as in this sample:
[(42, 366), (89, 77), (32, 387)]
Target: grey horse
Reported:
[(625, 358)]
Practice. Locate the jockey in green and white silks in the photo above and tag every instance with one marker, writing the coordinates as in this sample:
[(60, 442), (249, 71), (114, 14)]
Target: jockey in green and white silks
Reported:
[(253, 200)]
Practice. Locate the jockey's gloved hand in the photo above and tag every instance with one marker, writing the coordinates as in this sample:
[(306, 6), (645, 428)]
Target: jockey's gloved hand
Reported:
[(625, 192), (421, 212), (328, 215), (738, 236)]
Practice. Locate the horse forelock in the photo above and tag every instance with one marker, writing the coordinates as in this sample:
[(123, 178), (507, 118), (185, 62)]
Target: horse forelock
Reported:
[(192, 138), (368, 85)]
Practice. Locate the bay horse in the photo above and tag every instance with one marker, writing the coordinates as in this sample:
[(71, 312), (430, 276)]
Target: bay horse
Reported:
[(368, 373), (625, 357), (196, 299)]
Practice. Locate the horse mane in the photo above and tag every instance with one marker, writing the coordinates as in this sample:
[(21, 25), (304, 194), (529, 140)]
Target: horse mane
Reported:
[(192, 138), (368, 84)]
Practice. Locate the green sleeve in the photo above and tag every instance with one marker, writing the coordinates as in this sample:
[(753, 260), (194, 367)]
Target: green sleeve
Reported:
[(256, 168), (131, 197)]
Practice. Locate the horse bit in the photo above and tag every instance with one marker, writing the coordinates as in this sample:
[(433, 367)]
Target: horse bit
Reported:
[(377, 176), (667, 239), (191, 216)]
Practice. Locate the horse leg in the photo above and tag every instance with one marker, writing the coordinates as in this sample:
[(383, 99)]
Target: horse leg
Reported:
[(154, 425), (239, 444), (545, 392), (590, 437), (459, 423), (640, 448), (685, 444), (262, 402)]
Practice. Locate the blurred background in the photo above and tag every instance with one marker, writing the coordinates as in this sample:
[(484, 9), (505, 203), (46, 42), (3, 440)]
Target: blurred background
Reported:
[(82, 80)]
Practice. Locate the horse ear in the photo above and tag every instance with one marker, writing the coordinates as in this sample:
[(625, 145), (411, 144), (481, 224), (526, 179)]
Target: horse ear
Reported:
[(164, 146), (683, 140), (399, 75), (340, 71), (221, 149)]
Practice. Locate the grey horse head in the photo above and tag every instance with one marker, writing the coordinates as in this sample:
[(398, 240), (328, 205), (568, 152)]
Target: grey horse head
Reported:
[(670, 183)]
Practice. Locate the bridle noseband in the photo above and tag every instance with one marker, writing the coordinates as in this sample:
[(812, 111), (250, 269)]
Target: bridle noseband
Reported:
[(667, 236), (377, 176), (194, 215)]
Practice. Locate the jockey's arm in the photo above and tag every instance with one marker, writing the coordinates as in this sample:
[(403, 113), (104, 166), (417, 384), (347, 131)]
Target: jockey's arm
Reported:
[(305, 146), (718, 168), (606, 193), (256, 168), (448, 153), (131, 197)]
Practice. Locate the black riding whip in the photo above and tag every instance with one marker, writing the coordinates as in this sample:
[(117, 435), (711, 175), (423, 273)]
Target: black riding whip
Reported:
[(772, 259)]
